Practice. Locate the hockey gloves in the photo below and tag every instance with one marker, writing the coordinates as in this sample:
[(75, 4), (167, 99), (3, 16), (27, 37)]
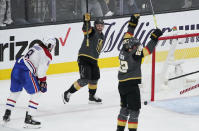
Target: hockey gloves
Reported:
[(134, 20), (43, 86), (156, 34), (87, 17)]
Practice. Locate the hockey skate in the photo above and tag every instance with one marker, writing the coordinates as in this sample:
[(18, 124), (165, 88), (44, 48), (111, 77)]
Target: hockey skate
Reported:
[(30, 123), (8, 21), (109, 13), (66, 97), (2, 25), (6, 117), (94, 100)]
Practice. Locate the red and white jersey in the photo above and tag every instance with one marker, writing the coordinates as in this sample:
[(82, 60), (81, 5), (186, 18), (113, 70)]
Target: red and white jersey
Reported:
[(37, 59)]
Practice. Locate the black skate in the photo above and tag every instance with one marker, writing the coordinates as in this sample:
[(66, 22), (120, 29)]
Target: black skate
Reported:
[(6, 117), (94, 99), (66, 97), (30, 123)]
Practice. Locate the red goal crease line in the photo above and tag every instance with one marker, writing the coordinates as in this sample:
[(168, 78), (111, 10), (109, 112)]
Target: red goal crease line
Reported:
[(178, 36)]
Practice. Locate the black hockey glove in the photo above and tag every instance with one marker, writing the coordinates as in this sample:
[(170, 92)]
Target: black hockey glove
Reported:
[(156, 34), (134, 20), (43, 86)]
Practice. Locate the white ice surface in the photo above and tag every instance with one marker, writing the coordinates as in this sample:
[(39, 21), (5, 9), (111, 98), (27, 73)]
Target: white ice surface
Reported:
[(78, 115)]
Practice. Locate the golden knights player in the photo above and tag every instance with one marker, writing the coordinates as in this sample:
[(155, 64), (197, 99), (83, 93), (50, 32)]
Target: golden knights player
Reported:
[(87, 60), (129, 74)]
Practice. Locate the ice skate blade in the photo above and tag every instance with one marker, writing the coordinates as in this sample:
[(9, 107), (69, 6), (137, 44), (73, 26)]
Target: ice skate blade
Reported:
[(29, 126), (63, 99), (93, 102)]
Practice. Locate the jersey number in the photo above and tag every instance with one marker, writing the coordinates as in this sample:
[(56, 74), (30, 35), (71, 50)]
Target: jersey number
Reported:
[(29, 53), (123, 66)]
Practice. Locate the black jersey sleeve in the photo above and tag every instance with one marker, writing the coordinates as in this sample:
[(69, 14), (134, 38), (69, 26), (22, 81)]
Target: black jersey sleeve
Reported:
[(87, 25)]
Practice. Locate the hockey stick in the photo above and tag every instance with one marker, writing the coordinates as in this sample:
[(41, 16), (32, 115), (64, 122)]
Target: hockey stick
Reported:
[(189, 89), (87, 36), (86, 6), (154, 18), (183, 75)]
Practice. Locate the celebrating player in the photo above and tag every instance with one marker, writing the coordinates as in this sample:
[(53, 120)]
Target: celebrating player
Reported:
[(129, 74), (29, 72), (87, 60)]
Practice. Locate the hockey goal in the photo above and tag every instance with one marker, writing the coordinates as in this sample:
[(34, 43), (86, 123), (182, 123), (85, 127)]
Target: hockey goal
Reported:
[(172, 71)]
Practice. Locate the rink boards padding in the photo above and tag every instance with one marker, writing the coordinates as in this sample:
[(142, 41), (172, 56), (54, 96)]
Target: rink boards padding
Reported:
[(69, 38), (68, 67)]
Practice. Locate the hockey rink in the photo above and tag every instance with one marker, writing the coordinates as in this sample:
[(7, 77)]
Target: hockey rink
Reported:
[(180, 114)]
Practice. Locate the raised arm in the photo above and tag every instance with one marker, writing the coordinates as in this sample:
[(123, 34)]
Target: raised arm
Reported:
[(87, 29), (148, 49), (132, 25)]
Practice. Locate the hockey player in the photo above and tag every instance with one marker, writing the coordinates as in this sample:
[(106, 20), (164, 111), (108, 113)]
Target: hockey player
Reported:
[(129, 75), (87, 60), (29, 72), (5, 13)]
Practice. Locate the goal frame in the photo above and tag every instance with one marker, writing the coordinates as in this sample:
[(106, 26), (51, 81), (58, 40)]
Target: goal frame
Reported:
[(154, 59)]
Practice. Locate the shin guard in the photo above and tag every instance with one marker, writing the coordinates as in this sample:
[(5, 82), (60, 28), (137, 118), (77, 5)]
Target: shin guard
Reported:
[(122, 119), (133, 120)]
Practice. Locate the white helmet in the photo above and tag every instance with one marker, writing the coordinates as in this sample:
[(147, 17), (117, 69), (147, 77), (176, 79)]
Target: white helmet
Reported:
[(50, 43)]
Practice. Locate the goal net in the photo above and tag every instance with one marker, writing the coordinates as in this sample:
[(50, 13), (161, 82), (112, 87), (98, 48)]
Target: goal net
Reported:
[(172, 71)]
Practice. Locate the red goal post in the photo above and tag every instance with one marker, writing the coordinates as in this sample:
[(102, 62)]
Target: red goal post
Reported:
[(154, 58)]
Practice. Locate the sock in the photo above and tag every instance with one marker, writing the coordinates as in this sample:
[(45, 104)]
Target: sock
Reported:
[(72, 89), (12, 99)]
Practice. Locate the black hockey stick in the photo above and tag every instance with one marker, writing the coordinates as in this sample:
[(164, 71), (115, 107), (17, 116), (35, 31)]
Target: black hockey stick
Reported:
[(183, 75), (154, 18), (87, 36), (86, 6)]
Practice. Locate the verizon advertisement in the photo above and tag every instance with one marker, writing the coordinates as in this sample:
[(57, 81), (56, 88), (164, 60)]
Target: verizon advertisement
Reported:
[(14, 42)]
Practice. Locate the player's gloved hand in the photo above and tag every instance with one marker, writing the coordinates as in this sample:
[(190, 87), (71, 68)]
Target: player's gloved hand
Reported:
[(43, 86), (87, 17), (134, 20), (156, 34)]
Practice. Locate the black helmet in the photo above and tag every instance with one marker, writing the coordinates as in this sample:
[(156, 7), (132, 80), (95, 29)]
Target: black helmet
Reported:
[(99, 21), (130, 43)]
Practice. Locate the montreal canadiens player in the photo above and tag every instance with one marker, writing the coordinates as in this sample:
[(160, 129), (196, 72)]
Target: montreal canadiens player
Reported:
[(29, 73)]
